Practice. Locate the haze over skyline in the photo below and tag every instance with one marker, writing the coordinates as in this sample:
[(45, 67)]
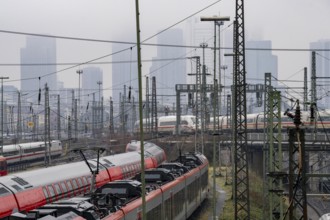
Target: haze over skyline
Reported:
[(288, 24)]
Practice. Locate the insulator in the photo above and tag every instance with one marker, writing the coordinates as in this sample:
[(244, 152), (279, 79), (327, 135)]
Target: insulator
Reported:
[(297, 117), (129, 94), (312, 113), (39, 96)]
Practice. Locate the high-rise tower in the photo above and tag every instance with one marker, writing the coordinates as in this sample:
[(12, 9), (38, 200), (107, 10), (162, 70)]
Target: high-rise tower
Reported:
[(38, 50), (171, 72)]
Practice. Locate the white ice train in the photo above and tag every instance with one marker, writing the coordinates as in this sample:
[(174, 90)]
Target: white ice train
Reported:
[(27, 153), (167, 125), (256, 121)]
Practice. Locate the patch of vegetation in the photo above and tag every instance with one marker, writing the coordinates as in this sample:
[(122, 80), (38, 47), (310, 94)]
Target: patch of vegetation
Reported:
[(256, 195)]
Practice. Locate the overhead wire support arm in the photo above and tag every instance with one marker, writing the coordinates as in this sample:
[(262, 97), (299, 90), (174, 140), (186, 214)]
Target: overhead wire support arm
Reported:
[(93, 172)]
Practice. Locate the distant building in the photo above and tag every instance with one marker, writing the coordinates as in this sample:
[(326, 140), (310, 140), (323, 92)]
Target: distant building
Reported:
[(124, 72), (170, 72), (38, 50), (199, 32), (322, 70), (91, 77), (257, 63)]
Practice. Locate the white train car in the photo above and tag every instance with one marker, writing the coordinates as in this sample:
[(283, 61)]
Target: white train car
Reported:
[(166, 124), (30, 152)]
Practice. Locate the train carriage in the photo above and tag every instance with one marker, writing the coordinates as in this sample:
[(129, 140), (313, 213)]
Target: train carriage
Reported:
[(35, 188), (173, 192), (30, 152)]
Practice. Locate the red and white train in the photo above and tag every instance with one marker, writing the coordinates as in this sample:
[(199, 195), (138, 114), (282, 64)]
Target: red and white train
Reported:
[(173, 192), (27, 153), (29, 190)]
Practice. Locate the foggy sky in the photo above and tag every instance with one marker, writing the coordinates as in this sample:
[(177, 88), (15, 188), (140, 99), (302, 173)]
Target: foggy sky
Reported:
[(288, 24)]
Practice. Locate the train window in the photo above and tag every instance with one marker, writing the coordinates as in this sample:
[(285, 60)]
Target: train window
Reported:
[(58, 189), (64, 187), (20, 181), (51, 191), (80, 182), (46, 194), (10, 153), (154, 213), (184, 122), (17, 187), (3, 191), (179, 202), (69, 185), (89, 179), (75, 185), (168, 209), (111, 164), (84, 181)]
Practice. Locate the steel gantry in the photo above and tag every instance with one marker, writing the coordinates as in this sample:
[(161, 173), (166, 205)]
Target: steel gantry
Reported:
[(297, 170), (273, 155), (198, 106), (241, 172)]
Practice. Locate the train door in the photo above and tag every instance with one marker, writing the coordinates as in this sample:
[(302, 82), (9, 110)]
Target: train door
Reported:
[(3, 166)]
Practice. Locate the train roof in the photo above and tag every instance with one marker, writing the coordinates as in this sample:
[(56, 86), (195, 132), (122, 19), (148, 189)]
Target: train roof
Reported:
[(11, 147), (116, 195), (64, 171)]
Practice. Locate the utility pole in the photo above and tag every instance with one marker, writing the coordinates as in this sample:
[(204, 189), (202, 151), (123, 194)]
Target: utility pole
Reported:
[(147, 117), (223, 67), (69, 131), (134, 118), (198, 106), (2, 78), (124, 112), (313, 94), (58, 118), (154, 130), (79, 72), (242, 198), (273, 159), (75, 120), (73, 107), (305, 90), (297, 169), (111, 117), (101, 110), (19, 119), (93, 116), (143, 193), (99, 83), (204, 98), (47, 127)]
